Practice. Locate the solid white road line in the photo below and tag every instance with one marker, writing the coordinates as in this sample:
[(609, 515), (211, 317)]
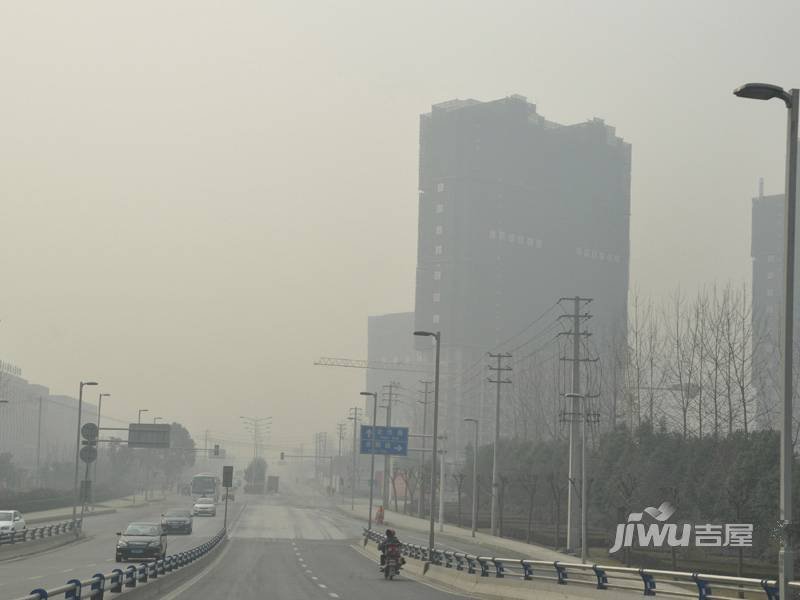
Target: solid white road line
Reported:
[(322, 585), (332, 595)]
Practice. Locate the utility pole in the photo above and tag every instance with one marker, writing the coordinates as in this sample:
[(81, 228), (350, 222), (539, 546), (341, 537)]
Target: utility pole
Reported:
[(387, 462), (424, 442), (499, 369), (575, 414), (340, 429), (355, 417)]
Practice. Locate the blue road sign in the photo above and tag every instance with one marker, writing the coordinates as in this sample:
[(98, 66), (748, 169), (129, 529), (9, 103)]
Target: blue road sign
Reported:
[(387, 440)]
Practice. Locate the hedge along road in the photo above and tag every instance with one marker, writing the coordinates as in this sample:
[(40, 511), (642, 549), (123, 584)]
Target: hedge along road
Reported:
[(95, 554)]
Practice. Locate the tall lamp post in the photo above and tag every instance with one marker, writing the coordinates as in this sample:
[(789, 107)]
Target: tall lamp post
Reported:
[(372, 455), (437, 336), (474, 477), (791, 98), (142, 410), (78, 446)]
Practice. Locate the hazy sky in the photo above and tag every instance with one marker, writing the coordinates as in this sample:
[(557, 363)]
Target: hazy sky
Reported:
[(198, 198)]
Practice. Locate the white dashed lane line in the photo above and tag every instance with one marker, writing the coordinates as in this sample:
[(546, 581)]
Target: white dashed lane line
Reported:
[(303, 564)]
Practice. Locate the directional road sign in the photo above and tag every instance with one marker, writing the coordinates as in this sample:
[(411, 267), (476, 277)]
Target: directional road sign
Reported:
[(387, 440)]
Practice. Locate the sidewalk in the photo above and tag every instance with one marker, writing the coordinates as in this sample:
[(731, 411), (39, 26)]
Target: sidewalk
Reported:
[(493, 545), (104, 508)]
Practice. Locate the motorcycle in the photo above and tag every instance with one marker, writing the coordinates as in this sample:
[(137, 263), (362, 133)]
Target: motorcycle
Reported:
[(394, 561)]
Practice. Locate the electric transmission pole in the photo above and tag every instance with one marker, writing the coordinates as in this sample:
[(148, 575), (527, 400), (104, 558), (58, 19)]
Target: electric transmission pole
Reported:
[(387, 460), (575, 414), (355, 417), (499, 380)]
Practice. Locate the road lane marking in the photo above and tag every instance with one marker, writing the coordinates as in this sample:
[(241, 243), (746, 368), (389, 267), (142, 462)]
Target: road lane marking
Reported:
[(308, 571), (67, 570), (315, 578), (36, 577), (332, 595), (322, 585)]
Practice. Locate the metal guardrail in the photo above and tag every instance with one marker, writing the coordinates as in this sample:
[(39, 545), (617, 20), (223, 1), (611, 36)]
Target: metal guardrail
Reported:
[(676, 584), (119, 581), (38, 533)]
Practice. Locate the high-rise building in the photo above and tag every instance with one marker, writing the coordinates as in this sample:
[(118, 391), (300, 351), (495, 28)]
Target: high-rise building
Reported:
[(515, 211), (766, 251)]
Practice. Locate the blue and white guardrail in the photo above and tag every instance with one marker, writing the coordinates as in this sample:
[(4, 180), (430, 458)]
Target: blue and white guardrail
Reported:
[(37, 533), (602, 577)]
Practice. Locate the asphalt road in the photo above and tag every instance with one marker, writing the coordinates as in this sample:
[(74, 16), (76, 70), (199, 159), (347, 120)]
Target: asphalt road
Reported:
[(95, 554), (291, 546)]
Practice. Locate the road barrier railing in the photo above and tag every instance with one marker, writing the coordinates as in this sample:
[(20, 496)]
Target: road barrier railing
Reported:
[(675, 584), (37, 533), (119, 581)]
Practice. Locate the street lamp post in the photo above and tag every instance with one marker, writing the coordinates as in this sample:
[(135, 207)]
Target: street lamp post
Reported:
[(142, 410), (372, 455), (78, 446), (474, 478), (791, 98), (437, 336)]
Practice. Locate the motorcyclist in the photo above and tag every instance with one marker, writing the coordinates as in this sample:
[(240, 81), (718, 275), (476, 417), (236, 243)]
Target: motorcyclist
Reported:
[(391, 538)]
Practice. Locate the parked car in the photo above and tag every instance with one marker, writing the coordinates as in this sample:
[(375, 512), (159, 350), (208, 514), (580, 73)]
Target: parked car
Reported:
[(11, 520), (204, 506), (177, 520), (141, 540)]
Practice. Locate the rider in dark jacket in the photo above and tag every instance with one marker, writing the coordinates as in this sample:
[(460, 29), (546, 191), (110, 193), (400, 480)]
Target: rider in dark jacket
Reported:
[(391, 538)]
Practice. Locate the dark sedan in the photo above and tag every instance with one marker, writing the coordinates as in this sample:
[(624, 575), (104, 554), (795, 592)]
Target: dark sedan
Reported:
[(140, 541), (177, 520)]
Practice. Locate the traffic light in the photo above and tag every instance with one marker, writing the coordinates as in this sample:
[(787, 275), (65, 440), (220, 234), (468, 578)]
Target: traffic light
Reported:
[(281, 455), (216, 449)]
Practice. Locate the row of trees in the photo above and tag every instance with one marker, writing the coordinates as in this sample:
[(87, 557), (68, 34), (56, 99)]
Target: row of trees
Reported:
[(698, 366)]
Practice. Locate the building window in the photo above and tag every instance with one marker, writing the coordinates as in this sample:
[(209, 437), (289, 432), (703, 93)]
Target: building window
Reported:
[(439, 230), (770, 310), (578, 251), (538, 243), (439, 208), (437, 296), (511, 238), (770, 292), (587, 253), (529, 241), (492, 234), (602, 256), (437, 275), (594, 254), (520, 240), (771, 258), (439, 187), (437, 251), (771, 275), (435, 319), (502, 235)]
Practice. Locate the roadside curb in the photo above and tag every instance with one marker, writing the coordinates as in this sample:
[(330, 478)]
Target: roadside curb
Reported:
[(39, 546)]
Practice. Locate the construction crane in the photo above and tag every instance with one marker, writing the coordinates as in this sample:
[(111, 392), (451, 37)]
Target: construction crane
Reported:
[(327, 361)]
